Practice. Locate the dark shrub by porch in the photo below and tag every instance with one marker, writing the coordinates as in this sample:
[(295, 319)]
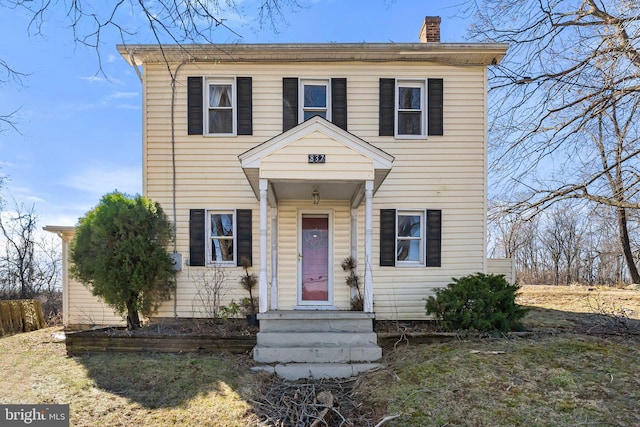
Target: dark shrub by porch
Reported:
[(482, 302)]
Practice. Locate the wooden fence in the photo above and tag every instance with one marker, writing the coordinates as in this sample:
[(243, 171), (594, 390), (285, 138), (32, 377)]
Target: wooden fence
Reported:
[(20, 316)]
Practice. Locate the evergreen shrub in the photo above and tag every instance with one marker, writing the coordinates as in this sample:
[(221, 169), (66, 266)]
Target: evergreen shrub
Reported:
[(482, 302)]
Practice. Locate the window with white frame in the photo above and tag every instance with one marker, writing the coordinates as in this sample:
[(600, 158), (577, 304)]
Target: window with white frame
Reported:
[(221, 231), (221, 103), (410, 108), (410, 237), (315, 99)]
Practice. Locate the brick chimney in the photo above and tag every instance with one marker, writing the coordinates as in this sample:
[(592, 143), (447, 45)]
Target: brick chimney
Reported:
[(430, 32)]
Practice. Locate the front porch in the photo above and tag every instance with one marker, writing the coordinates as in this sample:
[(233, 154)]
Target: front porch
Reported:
[(316, 344), (313, 172)]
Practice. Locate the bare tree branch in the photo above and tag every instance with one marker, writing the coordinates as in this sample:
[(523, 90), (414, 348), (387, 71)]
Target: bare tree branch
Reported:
[(140, 21)]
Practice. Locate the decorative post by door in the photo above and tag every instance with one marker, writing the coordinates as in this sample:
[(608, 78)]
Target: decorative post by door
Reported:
[(368, 244), (274, 258), (262, 278)]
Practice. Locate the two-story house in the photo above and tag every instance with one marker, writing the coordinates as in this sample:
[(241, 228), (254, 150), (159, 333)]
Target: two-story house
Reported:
[(296, 156)]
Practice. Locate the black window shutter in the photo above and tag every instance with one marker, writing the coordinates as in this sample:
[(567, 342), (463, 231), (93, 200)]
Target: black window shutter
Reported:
[(339, 102), (289, 103), (434, 238), (194, 105), (386, 121), (196, 237), (245, 105), (244, 227), (387, 237), (435, 106)]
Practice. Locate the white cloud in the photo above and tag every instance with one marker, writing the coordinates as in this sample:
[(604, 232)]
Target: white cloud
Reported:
[(123, 95), (128, 107), (94, 79), (104, 179), (101, 79), (5, 164)]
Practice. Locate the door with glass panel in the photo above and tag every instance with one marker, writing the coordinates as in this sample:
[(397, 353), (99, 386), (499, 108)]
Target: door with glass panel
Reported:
[(313, 260)]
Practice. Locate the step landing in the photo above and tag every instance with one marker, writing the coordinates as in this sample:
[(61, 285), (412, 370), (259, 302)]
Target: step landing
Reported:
[(316, 344), (296, 371)]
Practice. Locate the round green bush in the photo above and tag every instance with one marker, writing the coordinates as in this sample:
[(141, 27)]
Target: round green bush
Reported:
[(482, 302)]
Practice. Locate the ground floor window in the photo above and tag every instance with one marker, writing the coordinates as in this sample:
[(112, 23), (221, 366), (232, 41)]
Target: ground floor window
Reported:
[(221, 234), (410, 237)]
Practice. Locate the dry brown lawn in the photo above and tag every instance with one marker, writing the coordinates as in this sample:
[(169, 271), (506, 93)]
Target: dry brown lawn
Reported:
[(579, 365)]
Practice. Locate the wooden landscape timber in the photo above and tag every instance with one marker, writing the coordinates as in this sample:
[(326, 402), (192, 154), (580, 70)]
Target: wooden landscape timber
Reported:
[(104, 341)]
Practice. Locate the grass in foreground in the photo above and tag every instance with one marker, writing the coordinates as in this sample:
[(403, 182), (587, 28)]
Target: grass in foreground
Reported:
[(549, 381), (556, 377), (125, 389)]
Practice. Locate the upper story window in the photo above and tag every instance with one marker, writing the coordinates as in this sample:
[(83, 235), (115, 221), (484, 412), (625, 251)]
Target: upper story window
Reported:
[(315, 99), (410, 109), (221, 103), (305, 98), (219, 106)]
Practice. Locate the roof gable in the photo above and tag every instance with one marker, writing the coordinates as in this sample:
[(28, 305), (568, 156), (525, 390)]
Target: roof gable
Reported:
[(253, 157)]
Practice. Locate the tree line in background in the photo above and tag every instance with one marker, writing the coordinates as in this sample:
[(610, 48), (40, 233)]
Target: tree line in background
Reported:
[(564, 137), (30, 262), (567, 244)]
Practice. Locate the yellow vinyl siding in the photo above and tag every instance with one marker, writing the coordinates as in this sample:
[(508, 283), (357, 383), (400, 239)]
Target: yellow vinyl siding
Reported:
[(504, 266), (438, 172), (86, 309)]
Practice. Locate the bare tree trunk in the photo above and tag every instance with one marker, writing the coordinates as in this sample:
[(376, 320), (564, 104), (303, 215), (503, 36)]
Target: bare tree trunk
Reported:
[(133, 318), (626, 245)]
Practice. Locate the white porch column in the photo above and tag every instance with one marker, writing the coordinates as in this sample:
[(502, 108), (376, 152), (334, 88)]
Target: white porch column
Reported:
[(274, 258), (368, 244), (262, 278), (354, 241), (65, 280)]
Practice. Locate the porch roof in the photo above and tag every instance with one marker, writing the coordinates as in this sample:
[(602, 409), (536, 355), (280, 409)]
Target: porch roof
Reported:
[(348, 161)]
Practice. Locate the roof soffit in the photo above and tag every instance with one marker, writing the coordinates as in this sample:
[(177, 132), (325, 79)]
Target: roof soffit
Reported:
[(460, 54)]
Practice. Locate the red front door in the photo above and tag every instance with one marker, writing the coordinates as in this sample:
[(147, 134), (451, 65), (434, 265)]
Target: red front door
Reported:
[(315, 259)]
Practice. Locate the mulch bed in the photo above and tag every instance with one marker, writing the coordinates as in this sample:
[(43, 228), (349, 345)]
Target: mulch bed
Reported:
[(193, 327)]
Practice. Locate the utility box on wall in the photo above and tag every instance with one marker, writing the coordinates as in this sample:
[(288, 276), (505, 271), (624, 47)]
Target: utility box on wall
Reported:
[(177, 261)]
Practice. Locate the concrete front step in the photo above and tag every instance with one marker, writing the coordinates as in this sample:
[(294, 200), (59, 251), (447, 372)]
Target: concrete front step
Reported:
[(315, 321), (315, 339), (296, 371), (324, 354), (316, 343)]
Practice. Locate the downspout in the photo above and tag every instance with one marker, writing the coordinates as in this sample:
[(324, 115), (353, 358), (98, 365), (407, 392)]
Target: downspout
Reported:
[(173, 159), (65, 279), (174, 77)]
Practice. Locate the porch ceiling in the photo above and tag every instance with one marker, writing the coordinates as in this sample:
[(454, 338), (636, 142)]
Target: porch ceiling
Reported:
[(329, 189)]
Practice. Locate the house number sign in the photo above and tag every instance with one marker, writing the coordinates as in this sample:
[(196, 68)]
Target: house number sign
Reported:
[(316, 158)]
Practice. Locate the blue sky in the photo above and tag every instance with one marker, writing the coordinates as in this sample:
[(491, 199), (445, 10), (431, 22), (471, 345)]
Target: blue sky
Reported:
[(80, 130)]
